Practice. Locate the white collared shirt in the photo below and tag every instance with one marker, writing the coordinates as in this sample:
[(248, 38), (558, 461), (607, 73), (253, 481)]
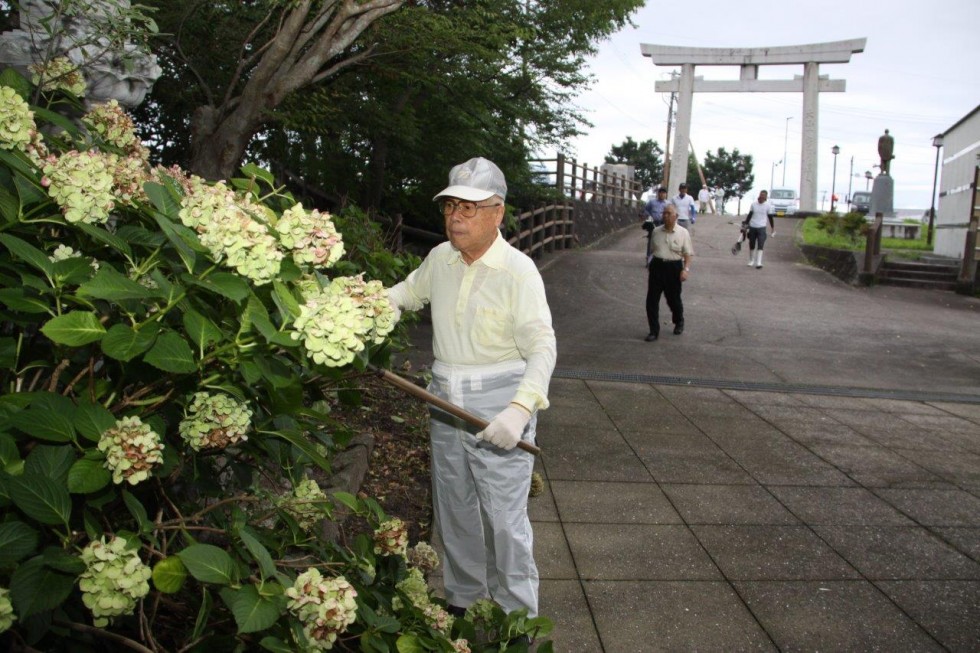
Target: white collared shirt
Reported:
[(490, 311)]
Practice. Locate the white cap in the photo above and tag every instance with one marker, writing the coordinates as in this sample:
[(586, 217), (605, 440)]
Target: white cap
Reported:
[(476, 180)]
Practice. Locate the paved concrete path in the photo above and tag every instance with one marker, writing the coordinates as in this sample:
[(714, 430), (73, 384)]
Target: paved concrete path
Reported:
[(838, 510)]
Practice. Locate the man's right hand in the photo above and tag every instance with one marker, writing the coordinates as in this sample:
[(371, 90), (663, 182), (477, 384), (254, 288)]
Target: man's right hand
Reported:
[(396, 313)]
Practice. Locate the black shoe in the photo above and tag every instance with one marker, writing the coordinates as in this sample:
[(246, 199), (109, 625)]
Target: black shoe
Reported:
[(455, 610), (651, 337), (678, 328)]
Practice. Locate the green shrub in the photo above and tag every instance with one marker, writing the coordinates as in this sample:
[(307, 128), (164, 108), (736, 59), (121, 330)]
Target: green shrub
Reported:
[(164, 345)]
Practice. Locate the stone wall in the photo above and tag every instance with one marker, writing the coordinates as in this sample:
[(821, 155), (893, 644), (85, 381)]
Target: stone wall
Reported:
[(841, 263), (593, 221)]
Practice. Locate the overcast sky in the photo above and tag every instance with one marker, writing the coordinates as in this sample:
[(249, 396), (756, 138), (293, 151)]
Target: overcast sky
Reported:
[(918, 75)]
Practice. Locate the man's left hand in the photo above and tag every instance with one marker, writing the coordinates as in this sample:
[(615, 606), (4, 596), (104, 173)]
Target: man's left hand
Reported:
[(506, 428)]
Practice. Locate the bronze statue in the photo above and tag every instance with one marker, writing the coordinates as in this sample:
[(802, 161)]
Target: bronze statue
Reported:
[(886, 145)]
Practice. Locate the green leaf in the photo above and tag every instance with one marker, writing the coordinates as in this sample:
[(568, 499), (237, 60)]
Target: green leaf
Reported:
[(201, 623), (29, 188), (72, 271), (92, 420), (55, 119), (125, 343), (169, 575), (30, 254), (9, 456), (286, 298), (17, 540), (50, 462), (138, 512), (87, 476), (50, 417), (41, 499), (275, 645), (16, 299), (252, 170), (409, 643), (36, 588), (113, 286), (253, 612), (261, 555), (11, 78), (201, 330), (74, 329), (171, 353), (303, 444), (103, 236), (140, 236), (225, 284), (163, 200), (8, 353), (209, 564), (61, 560)]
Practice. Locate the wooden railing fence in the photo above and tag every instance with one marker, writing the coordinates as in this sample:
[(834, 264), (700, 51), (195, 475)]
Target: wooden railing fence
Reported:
[(579, 181), (544, 229)]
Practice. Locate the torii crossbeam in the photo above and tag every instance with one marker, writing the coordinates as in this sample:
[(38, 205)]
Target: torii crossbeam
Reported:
[(749, 59)]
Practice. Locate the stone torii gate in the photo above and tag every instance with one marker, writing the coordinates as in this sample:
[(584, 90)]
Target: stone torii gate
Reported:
[(811, 83)]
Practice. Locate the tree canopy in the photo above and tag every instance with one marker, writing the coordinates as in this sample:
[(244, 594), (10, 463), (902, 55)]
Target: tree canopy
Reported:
[(732, 171), (645, 157), (430, 85)]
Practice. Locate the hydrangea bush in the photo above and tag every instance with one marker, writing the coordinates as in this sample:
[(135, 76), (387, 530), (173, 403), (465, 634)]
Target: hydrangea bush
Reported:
[(165, 346)]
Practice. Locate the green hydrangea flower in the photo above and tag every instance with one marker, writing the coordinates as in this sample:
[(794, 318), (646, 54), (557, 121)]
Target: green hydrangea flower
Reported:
[(325, 607), (115, 127), (311, 236), (17, 128), (391, 538), (461, 646), (58, 74), (7, 617), (227, 226), (423, 557), (335, 323), (308, 505), (131, 449), (114, 579), (417, 591), (82, 184), (215, 421)]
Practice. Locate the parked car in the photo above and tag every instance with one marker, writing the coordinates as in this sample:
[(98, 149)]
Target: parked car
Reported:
[(784, 201), (861, 202)]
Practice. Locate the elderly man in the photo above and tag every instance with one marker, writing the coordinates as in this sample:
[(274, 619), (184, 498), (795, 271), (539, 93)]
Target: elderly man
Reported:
[(669, 268), (495, 351)]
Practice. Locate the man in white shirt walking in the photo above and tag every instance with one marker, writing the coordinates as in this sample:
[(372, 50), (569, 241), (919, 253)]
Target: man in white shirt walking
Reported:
[(704, 197), (669, 268), (684, 204), (760, 212), (495, 351)]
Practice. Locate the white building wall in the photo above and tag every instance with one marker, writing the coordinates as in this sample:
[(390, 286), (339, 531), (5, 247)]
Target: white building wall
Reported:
[(961, 147)]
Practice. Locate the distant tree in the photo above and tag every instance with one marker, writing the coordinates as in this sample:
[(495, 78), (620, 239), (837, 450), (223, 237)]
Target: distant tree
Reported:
[(645, 158), (731, 171)]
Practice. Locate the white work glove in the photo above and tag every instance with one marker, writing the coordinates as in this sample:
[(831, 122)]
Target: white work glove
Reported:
[(506, 428), (396, 313), (773, 234)]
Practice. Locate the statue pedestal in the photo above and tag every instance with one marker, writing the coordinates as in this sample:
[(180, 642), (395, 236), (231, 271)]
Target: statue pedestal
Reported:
[(883, 196)]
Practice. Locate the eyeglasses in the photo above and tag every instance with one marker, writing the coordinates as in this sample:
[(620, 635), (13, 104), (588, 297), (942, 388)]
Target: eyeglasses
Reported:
[(466, 209)]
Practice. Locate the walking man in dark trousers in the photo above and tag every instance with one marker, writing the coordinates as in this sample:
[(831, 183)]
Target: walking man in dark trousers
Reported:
[(671, 263)]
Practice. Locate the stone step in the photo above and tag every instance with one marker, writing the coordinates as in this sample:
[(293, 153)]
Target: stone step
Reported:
[(925, 275), (909, 282), (920, 266)]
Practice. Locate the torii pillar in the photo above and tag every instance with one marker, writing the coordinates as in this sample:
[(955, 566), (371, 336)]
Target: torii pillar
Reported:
[(749, 59)]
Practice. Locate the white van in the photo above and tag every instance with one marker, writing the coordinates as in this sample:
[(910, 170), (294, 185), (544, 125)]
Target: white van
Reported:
[(784, 201)]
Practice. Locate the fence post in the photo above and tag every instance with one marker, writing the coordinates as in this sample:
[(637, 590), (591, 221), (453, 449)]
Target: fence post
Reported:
[(872, 245), (560, 174)]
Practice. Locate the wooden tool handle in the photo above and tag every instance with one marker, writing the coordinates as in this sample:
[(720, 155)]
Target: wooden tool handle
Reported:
[(439, 402)]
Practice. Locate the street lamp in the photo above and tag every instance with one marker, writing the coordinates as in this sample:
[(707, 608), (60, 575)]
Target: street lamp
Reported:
[(833, 184), (867, 178), (772, 172), (785, 140), (937, 142)]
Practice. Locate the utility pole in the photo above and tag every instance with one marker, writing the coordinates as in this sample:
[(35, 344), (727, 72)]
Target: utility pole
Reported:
[(850, 181), (670, 122)]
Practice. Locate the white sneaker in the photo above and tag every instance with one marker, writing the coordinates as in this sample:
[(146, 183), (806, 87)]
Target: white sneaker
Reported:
[(751, 258), (758, 259)]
